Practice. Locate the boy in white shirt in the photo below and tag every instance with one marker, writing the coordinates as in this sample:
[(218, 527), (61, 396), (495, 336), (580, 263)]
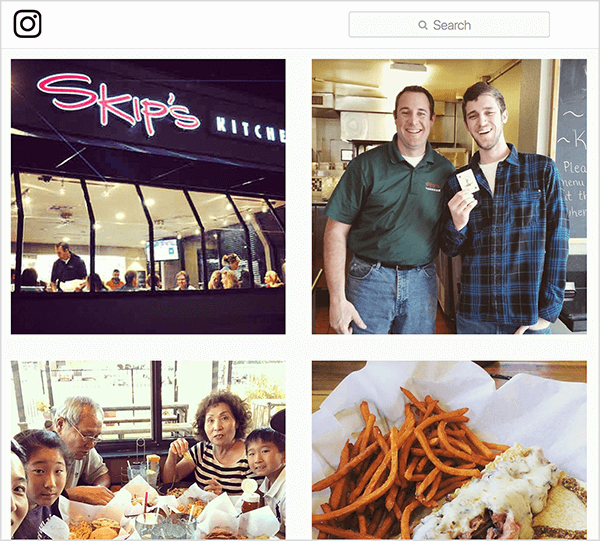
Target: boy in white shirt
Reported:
[(265, 449)]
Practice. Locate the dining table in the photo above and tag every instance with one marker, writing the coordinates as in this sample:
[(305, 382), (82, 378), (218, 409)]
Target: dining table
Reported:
[(326, 375)]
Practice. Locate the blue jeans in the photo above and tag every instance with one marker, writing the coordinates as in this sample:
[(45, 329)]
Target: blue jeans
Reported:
[(468, 326), (393, 301)]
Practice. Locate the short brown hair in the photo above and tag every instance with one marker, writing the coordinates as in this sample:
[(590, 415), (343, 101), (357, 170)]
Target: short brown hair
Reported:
[(239, 408), (478, 89), (419, 89)]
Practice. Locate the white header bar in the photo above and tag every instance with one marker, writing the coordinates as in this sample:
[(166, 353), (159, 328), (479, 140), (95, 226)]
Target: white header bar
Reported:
[(293, 24)]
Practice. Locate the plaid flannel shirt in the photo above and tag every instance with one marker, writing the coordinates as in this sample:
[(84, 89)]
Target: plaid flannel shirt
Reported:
[(515, 245)]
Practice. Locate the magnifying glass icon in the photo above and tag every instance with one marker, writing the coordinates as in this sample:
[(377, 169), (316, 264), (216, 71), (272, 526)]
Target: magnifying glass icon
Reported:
[(422, 25)]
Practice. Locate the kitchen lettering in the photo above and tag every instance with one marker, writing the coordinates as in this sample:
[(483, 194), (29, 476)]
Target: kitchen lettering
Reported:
[(131, 109)]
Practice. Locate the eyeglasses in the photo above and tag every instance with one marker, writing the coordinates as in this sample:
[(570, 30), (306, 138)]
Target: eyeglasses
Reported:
[(87, 439)]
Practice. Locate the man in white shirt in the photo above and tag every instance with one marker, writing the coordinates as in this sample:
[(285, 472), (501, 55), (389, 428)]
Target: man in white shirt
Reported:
[(79, 423)]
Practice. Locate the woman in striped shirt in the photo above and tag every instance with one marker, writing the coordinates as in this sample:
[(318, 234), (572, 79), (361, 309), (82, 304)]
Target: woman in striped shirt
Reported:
[(219, 460)]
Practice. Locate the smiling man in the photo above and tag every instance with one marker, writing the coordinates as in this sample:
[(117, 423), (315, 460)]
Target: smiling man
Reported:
[(386, 210), (508, 218), (79, 423)]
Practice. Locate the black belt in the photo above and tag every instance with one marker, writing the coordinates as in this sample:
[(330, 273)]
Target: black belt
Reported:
[(389, 265)]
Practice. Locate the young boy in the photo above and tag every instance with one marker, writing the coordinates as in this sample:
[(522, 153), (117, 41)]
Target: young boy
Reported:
[(265, 449)]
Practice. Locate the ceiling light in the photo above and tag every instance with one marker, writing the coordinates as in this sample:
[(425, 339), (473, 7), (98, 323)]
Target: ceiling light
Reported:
[(197, 231), (178, 236), (66, 239), (97, 226), (150, 202), (248, 217), (119, 215), (343, 82), (407, 66), (228, 206), (62, 187)]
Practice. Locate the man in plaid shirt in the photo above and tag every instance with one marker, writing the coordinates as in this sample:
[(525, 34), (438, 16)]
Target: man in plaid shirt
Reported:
[(508, 218)]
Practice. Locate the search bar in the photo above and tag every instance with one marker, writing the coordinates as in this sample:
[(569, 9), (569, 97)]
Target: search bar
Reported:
[(452, 24)]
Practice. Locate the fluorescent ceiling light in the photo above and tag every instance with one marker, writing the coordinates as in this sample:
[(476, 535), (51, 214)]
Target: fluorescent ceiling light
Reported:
[(406, 66)]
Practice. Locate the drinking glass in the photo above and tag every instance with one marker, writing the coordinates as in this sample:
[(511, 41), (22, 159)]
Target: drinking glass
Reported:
[(148, 524)]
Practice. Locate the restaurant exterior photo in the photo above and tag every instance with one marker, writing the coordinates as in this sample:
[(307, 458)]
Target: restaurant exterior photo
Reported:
[(150, 190)]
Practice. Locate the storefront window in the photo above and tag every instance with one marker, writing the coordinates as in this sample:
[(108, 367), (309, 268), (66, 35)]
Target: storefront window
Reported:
[(176, 237), (225, 238), (54, 211), (121, 233), (266, 236), (220, 246)]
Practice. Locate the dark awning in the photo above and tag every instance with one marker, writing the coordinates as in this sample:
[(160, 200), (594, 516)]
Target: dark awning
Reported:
[(115, 161)]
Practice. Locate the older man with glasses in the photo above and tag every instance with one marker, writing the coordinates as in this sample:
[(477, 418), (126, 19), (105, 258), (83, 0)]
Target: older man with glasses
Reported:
[(79, 423)]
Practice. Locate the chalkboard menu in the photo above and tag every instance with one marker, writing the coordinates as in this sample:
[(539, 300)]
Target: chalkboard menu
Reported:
[(571, 141)]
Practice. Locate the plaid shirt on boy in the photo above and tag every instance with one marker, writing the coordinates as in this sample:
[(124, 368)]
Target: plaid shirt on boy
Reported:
[(515, 245)]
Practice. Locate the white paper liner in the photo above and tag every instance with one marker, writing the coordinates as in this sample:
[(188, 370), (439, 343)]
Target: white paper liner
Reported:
[(73, 512), (222, 512)]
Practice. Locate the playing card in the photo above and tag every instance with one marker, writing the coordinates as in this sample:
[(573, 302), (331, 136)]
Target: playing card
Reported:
[(467, 181)]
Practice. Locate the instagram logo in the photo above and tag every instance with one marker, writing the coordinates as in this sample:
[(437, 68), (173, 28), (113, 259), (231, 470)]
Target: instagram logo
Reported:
[(28, 23)]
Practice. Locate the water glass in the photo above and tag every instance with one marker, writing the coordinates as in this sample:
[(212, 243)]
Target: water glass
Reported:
[(179, 526), (148, 525), (136, 468)]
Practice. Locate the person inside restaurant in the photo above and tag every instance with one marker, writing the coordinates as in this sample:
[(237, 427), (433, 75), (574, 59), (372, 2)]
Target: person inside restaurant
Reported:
[(29, 278), (229, 279), (47, 459), (67, 269), (92, 283), (265, 448), (272, 279), (230, 262), (219, 460), (131, 282), (115, 282), (78, 422), (183, 281), (18, 494), (215, 280)]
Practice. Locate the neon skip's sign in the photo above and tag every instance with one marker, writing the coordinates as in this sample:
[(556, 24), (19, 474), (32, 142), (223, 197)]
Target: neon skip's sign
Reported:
[(133, 109), (141, 109)]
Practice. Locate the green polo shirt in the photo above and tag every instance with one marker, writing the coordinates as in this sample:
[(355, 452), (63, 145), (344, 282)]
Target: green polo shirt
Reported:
[(394, 208)]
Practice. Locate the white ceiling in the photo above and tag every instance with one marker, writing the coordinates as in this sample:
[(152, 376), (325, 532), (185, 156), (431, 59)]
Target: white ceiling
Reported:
[(445, 78), (56, 210)]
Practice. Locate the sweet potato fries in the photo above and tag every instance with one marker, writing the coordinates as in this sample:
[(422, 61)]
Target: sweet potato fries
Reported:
[(384, 480)]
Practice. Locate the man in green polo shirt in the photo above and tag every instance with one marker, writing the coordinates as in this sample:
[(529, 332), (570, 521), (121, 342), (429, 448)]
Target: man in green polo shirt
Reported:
[(386, 210)]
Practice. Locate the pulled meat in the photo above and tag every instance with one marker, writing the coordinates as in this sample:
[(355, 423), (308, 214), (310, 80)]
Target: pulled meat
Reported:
[(492, 526)]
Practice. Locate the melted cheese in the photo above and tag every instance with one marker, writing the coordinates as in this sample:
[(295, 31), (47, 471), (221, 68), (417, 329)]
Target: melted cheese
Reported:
[(516, 483)]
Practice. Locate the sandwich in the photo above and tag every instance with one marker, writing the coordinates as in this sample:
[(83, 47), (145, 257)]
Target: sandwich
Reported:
[(104, 532), (500, 504), (565, 514)]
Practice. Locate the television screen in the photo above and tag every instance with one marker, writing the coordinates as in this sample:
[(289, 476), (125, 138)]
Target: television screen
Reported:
[(164, 250)]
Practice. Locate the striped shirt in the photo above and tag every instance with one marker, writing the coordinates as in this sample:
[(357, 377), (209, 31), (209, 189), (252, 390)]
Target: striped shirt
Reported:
[(515, 245), (207, 466)]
